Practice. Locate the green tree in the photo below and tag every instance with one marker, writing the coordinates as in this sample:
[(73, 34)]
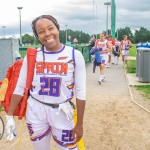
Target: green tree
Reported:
[(27, 39), (142, 35), (124, 31), (81, 36)]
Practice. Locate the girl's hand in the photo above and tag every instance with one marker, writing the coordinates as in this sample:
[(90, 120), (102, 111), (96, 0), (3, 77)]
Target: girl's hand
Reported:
[(10, 127), (77, 133)]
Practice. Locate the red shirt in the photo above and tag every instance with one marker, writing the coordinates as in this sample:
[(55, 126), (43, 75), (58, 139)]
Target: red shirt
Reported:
[(112, 42)]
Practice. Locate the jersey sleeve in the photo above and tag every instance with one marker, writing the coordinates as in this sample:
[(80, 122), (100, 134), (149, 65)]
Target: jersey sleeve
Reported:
[(80, 76), (19, 90)]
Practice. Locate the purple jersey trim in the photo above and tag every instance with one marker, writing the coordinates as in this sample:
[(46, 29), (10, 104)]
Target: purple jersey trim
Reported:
[(70, 145), (56, 51), (73, 57), (41, 136)]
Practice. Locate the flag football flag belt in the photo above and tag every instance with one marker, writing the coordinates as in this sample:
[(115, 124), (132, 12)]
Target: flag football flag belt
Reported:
[(48, 104)]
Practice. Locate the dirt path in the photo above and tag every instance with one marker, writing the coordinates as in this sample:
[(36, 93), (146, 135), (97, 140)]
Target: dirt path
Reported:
[(112, 121)]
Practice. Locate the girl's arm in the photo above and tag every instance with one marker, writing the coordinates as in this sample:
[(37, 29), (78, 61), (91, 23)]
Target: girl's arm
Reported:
[(80, 90), (109, 47), (19, 90)]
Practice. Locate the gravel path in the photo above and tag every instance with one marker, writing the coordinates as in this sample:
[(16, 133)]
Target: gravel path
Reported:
[(112, 121)]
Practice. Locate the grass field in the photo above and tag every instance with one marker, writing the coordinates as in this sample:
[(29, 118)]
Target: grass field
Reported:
[(145, 89), (131, 66), (132, 51)]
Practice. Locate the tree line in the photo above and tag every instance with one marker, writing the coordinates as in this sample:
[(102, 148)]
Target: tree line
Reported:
[(141, 35)]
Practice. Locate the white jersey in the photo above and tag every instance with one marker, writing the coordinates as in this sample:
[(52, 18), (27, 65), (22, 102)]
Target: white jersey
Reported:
[(103, 45), (117, 43), (125, 44), (54, 78)]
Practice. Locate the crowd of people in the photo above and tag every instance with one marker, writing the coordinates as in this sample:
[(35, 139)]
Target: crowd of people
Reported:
[(110, 51)]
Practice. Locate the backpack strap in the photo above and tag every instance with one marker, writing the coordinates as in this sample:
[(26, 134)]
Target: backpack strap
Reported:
[(73, 57), (31, 59)]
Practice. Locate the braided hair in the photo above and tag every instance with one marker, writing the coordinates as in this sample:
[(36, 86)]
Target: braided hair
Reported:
[(49, 17)]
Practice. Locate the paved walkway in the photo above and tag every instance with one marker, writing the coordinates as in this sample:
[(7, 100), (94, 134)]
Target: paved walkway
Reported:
[(112, 121), (131, 58), (133, 79)]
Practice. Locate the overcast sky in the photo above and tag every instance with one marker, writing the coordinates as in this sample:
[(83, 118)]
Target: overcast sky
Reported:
[(86, 15)]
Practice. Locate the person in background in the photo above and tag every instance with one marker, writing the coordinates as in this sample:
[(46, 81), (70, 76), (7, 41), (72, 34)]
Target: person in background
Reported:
[(75, 42), (59, 72), (92, 41), (116, 52), (90, 45), (124, 47), (105, 48), (69, 40), (112, 43)]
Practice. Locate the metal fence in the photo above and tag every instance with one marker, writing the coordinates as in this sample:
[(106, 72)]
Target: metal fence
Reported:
[(22, 51), (85, 50)]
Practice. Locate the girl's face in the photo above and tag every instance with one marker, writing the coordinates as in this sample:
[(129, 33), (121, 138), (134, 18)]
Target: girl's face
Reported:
[(48, 34), (125, 38), (102, 36)]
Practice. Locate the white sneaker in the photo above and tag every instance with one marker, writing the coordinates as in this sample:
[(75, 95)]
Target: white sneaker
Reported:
[(103, 79), (107, 66), (100, 81)]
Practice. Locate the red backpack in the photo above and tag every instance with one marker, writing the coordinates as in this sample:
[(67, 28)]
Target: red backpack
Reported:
[(12, 76)]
